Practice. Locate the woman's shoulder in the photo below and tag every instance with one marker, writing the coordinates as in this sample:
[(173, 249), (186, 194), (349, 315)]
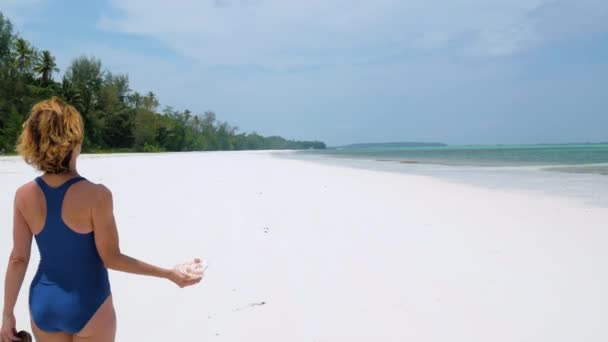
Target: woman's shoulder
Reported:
[(89, 191), (26, 190), (100, 191), (94, 195), (29, 186)]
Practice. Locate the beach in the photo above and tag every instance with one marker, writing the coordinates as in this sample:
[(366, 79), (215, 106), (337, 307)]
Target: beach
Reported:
[(305, 251)]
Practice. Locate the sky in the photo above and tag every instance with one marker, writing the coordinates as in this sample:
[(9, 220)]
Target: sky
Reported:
[(346, 71)]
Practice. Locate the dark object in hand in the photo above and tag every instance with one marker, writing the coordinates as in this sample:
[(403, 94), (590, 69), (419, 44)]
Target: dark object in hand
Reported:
[(24, 336)]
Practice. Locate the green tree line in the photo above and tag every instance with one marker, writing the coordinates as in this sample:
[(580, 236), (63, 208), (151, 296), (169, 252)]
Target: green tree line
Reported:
[(116, 117)]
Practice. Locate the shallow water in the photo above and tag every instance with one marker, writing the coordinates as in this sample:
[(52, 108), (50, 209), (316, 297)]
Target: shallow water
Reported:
[(481, 155), (585, 182)]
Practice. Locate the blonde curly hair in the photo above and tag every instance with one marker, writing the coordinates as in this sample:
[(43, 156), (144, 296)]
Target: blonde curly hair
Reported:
[(50, 134)]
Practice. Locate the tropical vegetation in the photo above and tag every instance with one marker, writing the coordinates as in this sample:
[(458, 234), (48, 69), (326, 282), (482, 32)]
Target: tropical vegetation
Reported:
[(116, 117)]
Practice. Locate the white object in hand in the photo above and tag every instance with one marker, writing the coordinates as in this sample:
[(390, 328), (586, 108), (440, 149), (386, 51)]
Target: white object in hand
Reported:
[(194, 269)]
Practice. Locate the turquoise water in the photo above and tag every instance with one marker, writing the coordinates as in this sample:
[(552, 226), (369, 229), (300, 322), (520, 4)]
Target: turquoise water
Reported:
[(578, 171), (567, 157)]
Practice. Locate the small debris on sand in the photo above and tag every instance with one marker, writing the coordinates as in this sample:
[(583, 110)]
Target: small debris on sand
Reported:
[(250, 305)]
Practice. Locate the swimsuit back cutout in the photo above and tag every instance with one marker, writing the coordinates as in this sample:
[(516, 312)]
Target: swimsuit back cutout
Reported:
[(71, 282)]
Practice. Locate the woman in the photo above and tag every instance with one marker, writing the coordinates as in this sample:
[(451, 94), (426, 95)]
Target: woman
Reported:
[(73, 222)]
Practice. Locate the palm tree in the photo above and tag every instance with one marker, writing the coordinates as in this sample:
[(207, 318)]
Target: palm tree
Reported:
[(23, 54), (150, 101), (46, 66), (136, 99), (70, 93)]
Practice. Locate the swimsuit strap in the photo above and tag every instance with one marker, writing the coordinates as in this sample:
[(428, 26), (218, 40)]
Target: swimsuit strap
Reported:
[(45, 187), (54, 196)]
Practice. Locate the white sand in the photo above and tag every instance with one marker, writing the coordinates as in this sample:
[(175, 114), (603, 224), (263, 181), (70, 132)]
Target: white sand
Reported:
[(349, 255)]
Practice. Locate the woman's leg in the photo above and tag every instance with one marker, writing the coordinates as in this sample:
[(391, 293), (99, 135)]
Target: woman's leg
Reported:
[(43, 336), (102, 327)]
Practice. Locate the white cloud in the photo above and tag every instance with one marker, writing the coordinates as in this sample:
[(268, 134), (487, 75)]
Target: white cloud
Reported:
[(507, 41), (281, 34)]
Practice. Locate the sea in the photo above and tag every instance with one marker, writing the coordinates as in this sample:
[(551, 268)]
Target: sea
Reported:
[(574, 170)]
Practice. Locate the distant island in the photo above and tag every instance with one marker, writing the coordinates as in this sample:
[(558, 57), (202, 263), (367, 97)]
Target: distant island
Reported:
[(575, 143), (394, 145)]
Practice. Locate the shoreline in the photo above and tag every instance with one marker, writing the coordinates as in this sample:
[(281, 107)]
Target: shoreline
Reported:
[(587, 187), (591, 188)]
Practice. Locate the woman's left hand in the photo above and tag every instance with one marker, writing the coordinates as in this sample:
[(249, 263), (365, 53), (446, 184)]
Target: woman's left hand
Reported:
[(8, 332)]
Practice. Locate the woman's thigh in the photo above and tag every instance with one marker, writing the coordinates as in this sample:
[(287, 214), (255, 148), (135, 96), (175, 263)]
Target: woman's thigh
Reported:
[(102, 327), (43, 336)]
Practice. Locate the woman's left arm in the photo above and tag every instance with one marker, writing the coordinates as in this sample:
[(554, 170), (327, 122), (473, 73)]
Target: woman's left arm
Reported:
[(17, 265)]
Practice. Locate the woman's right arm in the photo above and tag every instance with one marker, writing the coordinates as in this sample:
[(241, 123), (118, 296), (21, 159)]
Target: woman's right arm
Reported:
[(106, 240)]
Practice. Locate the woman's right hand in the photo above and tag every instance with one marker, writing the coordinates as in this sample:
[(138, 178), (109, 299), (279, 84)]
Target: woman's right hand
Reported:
[(188, 273), (8, 332), (181, 279)]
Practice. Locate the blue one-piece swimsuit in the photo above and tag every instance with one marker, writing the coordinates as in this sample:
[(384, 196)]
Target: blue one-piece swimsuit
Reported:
[(71, 282)]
